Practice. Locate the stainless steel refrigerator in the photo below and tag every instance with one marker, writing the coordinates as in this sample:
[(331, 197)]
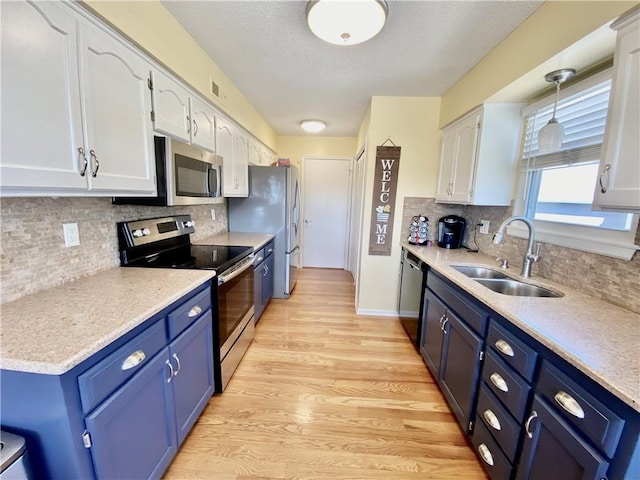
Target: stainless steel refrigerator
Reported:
[(273, 206)]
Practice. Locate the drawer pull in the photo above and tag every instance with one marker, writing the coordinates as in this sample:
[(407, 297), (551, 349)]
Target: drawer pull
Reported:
[(533, 415), (133, 360), (499, 382), (569, 403), (504, 347), (485, 453), (195, 311), (492, 419)]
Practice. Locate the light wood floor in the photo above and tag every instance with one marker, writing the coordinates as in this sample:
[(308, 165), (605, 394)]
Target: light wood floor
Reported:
[(325, 394)]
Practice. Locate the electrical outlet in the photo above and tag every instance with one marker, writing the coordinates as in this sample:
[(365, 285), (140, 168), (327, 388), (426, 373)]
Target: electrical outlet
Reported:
[(484, 226), (213, 214), (71, 234)]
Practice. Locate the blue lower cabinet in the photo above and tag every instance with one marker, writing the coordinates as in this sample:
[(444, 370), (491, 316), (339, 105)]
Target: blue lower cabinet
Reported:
[(433, 314), (132, 433), (192, 359), (551, 449)]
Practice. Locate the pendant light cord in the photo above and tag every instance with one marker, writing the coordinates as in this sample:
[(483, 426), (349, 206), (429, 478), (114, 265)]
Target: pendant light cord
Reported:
[(555, 104)]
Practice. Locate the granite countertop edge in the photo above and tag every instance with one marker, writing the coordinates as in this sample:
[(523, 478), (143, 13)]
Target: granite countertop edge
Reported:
[(542, 319)]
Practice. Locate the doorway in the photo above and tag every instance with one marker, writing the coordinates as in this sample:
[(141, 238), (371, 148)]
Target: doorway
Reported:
[(326, 194)]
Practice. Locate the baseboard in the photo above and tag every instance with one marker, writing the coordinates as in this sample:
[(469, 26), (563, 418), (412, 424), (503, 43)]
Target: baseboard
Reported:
[(377, 313)]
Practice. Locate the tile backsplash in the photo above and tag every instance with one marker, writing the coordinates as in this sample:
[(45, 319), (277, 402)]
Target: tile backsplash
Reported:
[(33, 256), (616, 281)]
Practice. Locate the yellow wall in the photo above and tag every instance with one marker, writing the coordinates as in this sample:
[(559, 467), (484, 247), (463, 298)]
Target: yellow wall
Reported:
[(412, 124), (154, 29), (295, 147), (554, 27)]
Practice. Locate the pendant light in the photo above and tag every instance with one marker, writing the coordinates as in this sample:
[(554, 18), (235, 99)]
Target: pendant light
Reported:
[(346, 22), (551, 135)]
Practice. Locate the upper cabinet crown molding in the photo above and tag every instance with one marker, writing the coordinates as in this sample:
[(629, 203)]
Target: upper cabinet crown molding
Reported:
[(479, 155), (618, 186)]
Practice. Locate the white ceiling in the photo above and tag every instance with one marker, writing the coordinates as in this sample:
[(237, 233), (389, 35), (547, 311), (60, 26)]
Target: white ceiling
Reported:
[(271, 56)]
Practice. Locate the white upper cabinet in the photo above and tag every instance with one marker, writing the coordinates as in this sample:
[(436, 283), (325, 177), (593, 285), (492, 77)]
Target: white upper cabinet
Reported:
[(178, 113), (118, 129), (618, 186), (170, 108), (254, 152), (85, 96), (478, 156), (234, 150), (203, 119)]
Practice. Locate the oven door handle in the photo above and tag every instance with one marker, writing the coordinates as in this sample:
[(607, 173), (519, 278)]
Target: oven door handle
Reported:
[(226, 278)]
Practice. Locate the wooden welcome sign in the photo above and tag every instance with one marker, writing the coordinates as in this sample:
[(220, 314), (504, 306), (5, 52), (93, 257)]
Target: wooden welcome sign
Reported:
[(384, 200)]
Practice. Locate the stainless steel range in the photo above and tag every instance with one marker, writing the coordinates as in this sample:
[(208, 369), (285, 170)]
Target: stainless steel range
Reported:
[(165, 243)]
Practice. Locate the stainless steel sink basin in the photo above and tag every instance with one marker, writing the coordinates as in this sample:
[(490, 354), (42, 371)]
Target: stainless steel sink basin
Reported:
[(474, 271), (508, 286), (500, 282)]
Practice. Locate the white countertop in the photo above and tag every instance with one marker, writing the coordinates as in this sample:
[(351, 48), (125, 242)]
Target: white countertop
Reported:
[(54, 330), (600, 339), (242, 239)]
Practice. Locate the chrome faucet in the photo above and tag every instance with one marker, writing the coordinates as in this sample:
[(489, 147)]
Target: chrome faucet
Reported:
[(529, 256)]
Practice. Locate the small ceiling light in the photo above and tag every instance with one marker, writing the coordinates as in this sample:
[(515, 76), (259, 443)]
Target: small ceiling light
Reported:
[(551, 135), (346, 22), (313, 126)]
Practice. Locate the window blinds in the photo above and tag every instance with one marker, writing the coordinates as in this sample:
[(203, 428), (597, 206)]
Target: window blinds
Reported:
[(583, 115)]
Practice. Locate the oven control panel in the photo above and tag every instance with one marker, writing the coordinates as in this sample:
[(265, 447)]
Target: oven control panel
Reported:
[(141, 232)]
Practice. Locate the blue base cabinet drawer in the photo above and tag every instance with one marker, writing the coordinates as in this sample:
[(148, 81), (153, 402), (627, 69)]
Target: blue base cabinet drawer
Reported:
[(498, 422), (506, 385), (493, 459), (99, 381), (579, 408), (515, 353), (179, 319)]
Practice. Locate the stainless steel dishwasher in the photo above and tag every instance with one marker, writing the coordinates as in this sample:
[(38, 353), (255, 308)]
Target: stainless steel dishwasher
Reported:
[(14, 464), (410, 295)]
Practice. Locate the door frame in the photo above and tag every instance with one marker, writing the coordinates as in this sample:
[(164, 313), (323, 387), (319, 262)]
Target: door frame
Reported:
[(349, 200)]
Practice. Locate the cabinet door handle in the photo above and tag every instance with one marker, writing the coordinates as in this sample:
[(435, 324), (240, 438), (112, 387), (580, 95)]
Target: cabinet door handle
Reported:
[(94, 157), (533, 415), (85, 164), (504, 347), (444, 325), (258, 260), (188, 124), (195, 127), (133, 360), (499, 382), (569, 403), (485, 453), (442, 319), (195, 311), (266, 271), (606, 169), (492, 419), (178, 367), (270, 250), (171, 372)]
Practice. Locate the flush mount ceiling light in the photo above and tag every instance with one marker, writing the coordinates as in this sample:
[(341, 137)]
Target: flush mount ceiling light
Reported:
[(551, 135), (313, 126), (346, 22)]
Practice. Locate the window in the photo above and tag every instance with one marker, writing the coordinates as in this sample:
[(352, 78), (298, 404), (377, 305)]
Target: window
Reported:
[(556, 189)]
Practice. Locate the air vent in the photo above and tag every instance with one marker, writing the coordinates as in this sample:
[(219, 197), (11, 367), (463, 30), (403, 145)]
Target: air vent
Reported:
[(215, 89)]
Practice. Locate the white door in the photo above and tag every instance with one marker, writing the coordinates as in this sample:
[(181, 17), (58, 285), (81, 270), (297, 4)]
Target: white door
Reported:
[(326, 190)]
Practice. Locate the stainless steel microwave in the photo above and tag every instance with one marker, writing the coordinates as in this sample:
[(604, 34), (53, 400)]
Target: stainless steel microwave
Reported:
[(185, 175)]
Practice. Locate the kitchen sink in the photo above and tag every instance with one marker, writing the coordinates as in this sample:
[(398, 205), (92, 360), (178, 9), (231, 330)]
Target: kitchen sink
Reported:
[(502, 283), (474, 272), (508, 286)]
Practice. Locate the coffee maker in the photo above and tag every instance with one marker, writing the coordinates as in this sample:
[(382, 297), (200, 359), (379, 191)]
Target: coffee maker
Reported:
[(451, 231)]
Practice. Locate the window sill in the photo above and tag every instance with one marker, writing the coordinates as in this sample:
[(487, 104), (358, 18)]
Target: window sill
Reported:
[(609, 243)]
